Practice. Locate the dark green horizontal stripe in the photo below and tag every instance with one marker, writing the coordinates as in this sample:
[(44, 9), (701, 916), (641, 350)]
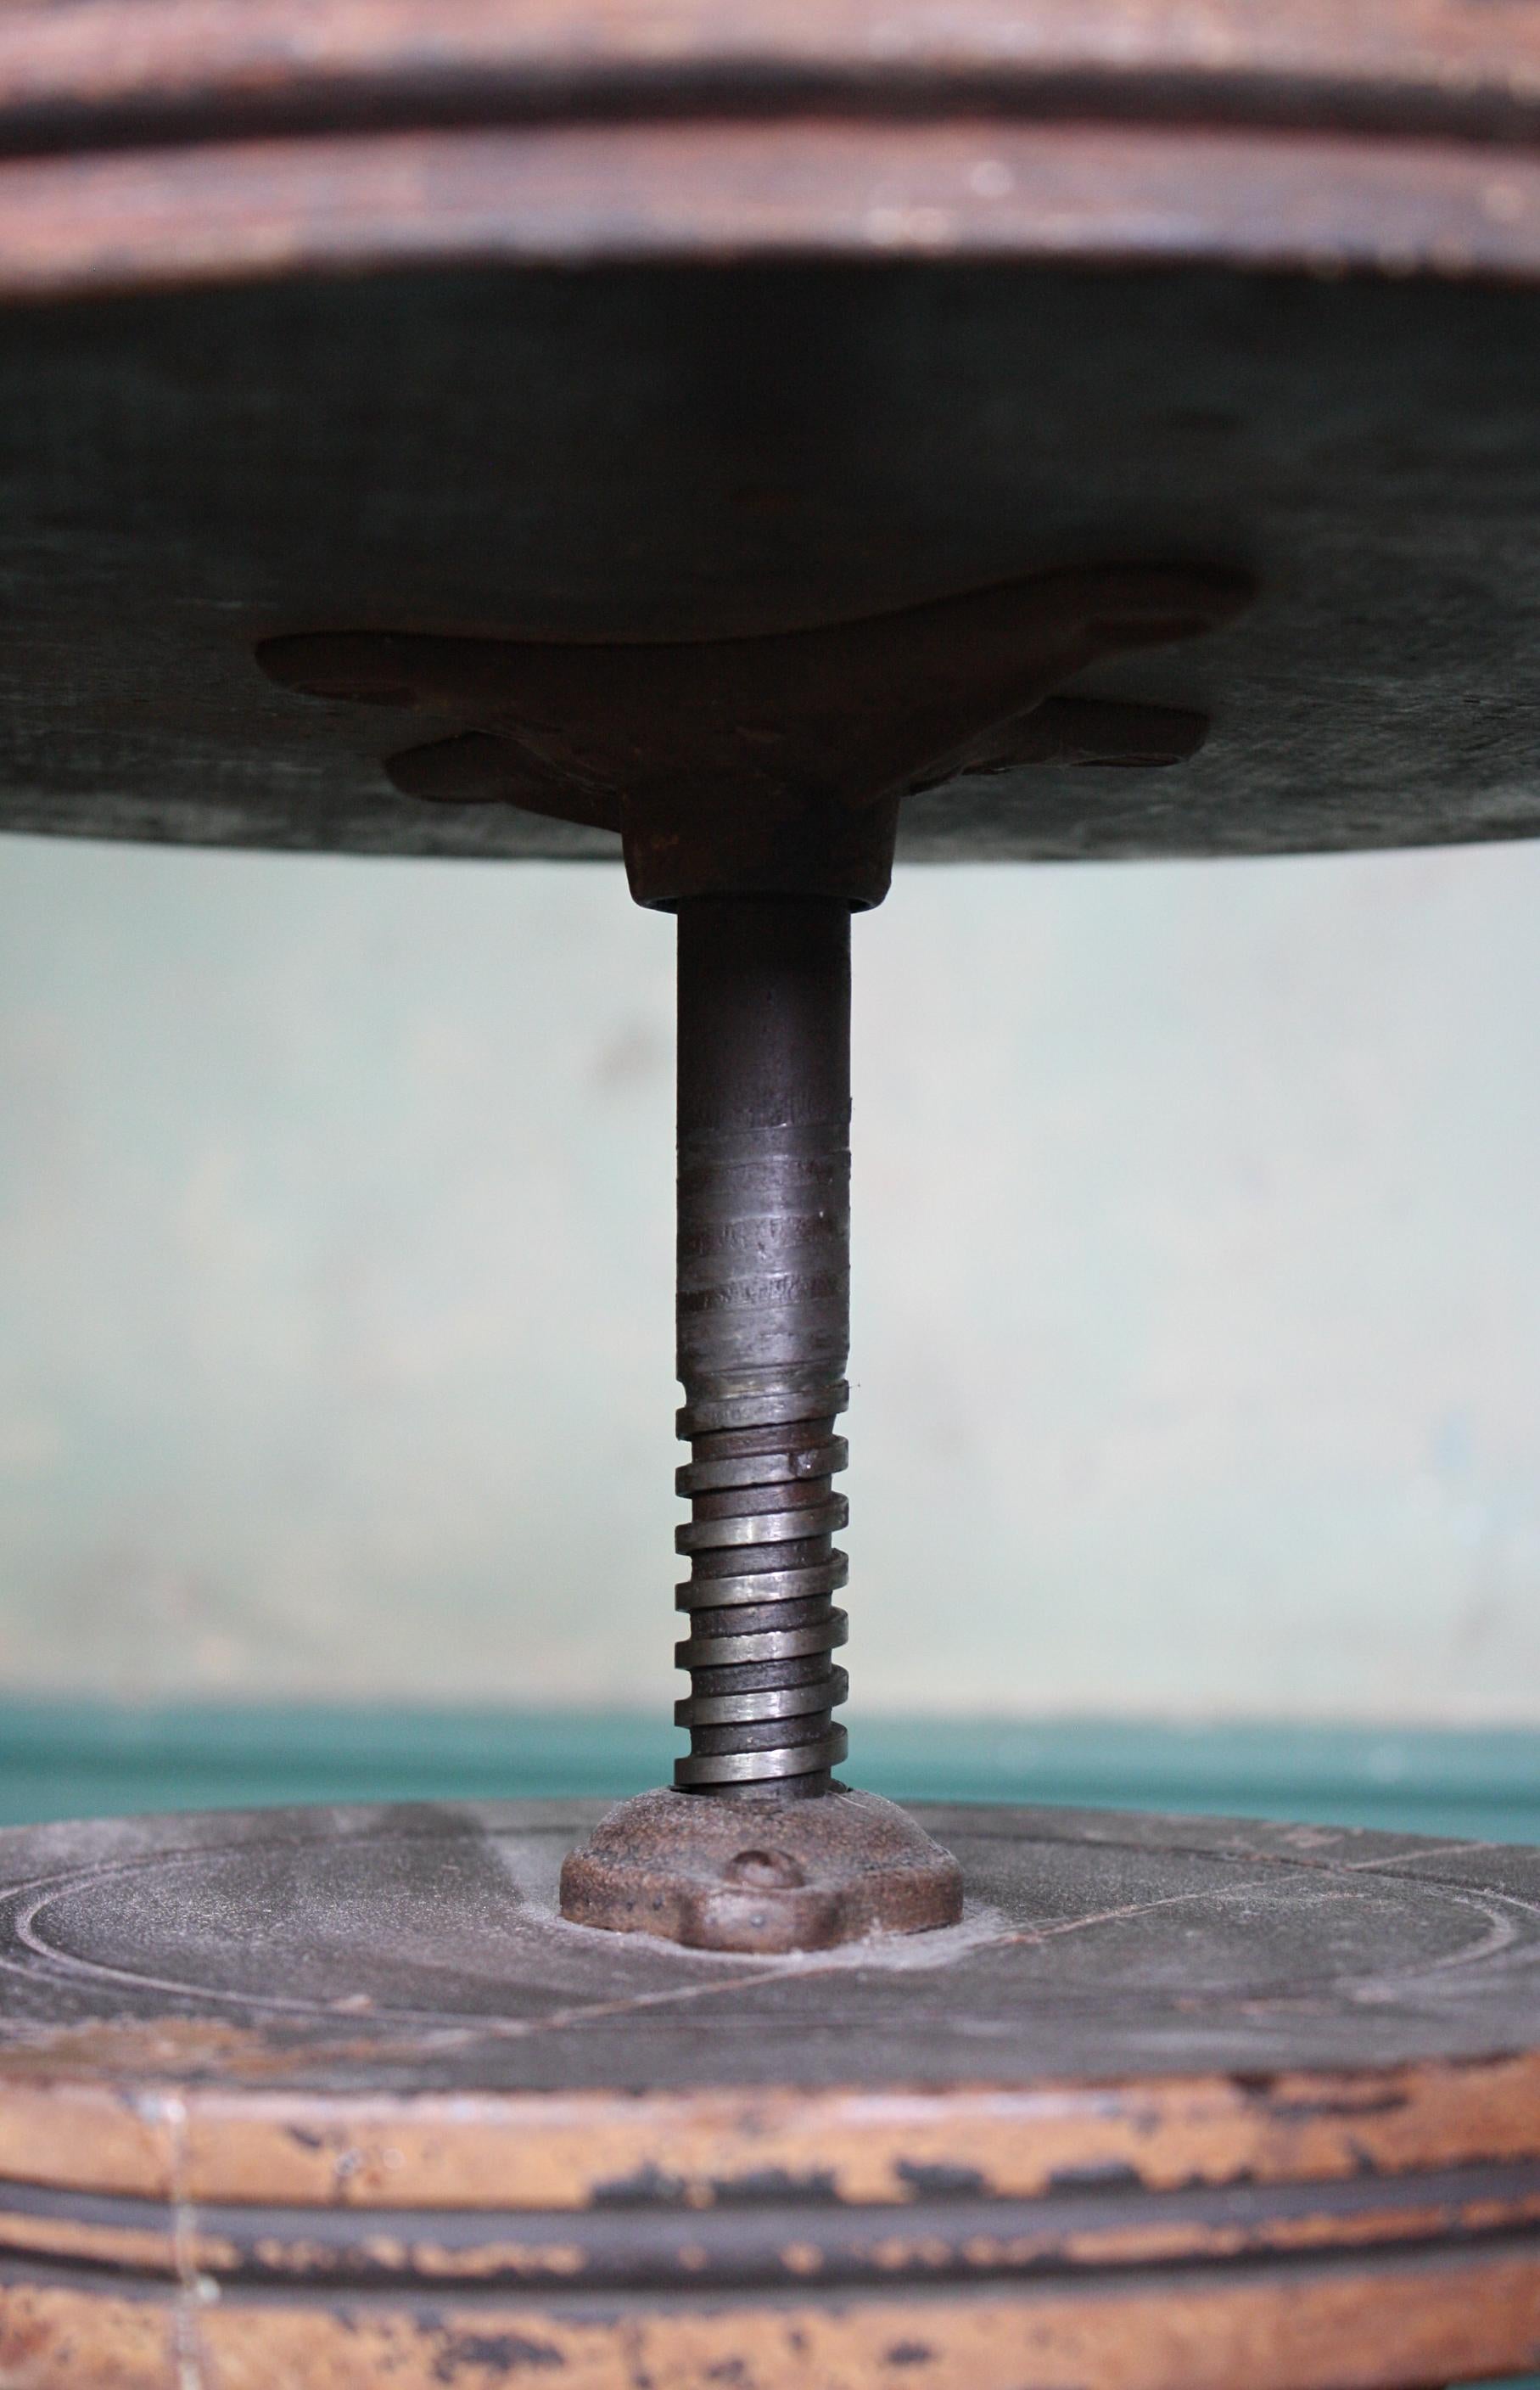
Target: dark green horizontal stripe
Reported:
[(76, 1759)]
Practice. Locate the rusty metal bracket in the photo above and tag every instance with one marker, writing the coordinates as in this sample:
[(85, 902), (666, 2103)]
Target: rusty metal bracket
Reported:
[(777, 766)]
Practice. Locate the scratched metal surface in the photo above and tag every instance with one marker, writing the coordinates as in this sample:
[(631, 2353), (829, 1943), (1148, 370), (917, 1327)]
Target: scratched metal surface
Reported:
[(674, 454), (418, 1947)]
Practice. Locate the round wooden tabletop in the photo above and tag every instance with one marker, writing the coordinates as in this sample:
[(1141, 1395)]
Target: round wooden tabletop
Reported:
[(169, 141), (657, 319), (646, 453), (335, 2098)]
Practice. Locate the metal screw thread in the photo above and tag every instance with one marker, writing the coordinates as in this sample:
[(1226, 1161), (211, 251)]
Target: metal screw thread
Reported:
[(764, 1332)]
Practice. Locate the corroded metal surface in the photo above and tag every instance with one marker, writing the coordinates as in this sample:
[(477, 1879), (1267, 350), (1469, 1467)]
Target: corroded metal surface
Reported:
[(336, 2097), (761, 1873)]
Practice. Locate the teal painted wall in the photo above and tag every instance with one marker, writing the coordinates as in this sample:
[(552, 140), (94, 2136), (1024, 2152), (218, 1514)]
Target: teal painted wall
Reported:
[(1198, 1291)]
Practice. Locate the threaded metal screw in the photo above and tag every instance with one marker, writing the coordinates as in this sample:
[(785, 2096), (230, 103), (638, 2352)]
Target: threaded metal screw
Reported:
[(763, 1334)]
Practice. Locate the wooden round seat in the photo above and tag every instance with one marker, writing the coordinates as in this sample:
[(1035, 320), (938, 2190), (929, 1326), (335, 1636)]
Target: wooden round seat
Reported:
[(620, 320), (335, 2098), (591, 323)]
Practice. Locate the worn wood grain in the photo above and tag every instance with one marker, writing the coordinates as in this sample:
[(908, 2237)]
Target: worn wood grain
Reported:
[(99, 66), (978, 187), (1374, 2324)]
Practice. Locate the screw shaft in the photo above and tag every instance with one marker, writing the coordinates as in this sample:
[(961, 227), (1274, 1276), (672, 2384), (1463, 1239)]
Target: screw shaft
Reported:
[(763, 1334)]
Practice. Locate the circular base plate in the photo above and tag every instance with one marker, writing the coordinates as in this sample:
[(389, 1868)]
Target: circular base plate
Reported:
[(337, 2097)]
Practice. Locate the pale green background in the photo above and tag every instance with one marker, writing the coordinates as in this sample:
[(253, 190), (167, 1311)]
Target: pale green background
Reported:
[(1198, 1286)]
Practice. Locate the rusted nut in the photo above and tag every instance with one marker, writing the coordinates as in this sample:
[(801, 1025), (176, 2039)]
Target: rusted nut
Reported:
[(775, 765), (760, 1873)]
